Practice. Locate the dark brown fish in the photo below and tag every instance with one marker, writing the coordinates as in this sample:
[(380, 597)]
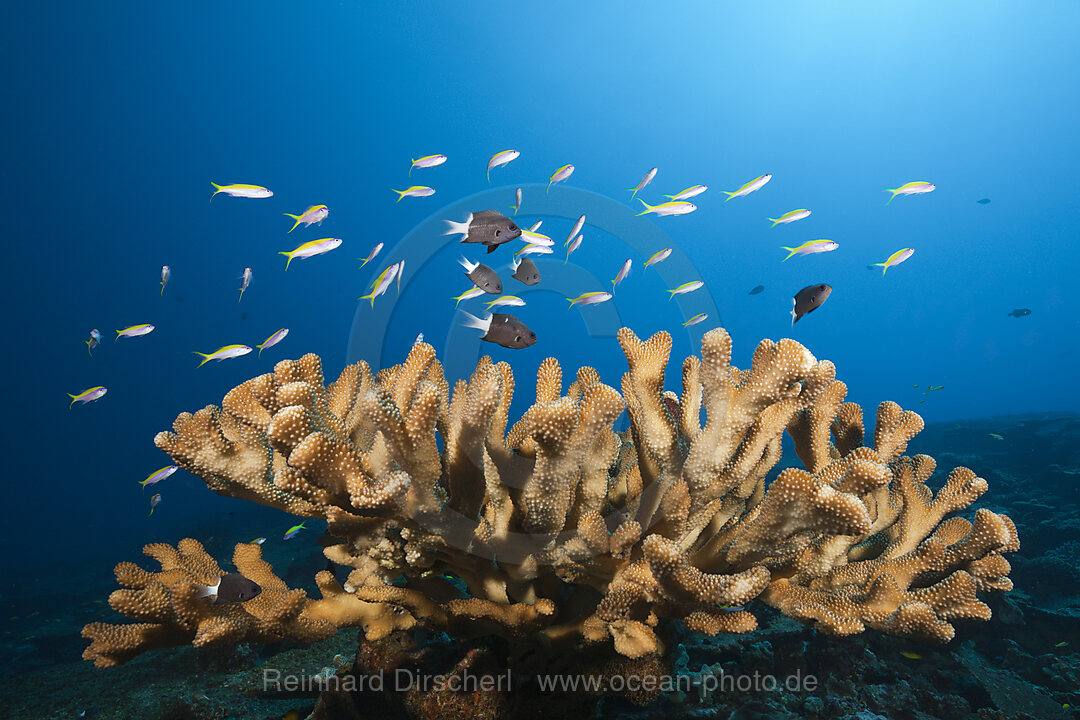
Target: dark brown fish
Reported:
[(757, 289), (233, 588), (526, 272), (505, 330), (807, 300), (482, 277), (486, 227), (1020, 312)]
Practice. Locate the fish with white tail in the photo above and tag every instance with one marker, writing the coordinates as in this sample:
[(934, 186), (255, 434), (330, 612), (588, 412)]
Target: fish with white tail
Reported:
[(505, 330), (486, 227), (482, 276)]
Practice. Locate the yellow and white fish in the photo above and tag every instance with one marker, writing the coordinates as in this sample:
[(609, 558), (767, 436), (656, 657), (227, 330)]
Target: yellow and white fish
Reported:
[(414, 191), (559, 175), (158, 475), (674, 207), (644, 181), (311, 249), (895, 259), (501, 158), (574, 245), (789, 217), (93, 342), (658, 257), (692, 191), (700, 317), (534, 249), (590, 298), (223, 353), (536, 226), (86, 396), (134, 331), (536, 238), (517, 200), (917, 187), (468, 295), (273, 340), (381, 283), (623, 272), (245, 280), (577, 228), (314, 214), (371, 255), (755, 184), (686, 288), (241, 191), (427, 161), (507, 300), (810, 247), (166, 273)]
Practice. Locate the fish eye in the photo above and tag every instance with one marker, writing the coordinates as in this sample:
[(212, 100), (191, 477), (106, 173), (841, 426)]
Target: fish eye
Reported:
[(513, 227), (517, 338)]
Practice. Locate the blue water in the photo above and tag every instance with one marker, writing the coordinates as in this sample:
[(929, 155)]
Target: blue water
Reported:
[(121, 114)]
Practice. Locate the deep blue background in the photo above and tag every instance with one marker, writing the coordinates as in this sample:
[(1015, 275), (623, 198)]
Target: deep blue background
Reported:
[(120, 114)]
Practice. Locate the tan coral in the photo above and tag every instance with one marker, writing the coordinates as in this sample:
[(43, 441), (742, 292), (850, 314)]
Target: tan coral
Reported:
[(559, 526)]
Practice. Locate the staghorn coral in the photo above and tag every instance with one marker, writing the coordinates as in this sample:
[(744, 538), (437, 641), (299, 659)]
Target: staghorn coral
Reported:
[(560, 526)]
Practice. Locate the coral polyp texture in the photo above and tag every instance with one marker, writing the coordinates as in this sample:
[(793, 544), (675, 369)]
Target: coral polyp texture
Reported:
[(559, 526)]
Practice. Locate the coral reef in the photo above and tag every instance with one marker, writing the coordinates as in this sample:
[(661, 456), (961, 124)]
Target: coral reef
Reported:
[(562, 529)]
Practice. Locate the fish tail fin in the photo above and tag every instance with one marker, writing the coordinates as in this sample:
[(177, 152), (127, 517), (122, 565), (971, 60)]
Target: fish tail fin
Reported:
[(457, 228), (883, 266), (894, 192), (413, 161), (670, 197), (794, 317), (791, 251), (204, 356), (648, 208), (632, 190), (474, 322), (287, 263), (89, 349), (73, 399), (370, 296), (548, 188), (150, 513), (363, 264), (162, 293), (294, 217), (217, 189), (729, 194), (260, 350), (489, 175), (515, 209), (774, 222), (400, 194), (118, 333)]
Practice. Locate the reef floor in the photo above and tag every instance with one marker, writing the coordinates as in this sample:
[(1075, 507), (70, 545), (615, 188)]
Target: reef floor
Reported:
[(1024, 663)]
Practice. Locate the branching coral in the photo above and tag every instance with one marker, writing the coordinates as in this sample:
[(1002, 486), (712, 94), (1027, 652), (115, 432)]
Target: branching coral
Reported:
[(563, 527)]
